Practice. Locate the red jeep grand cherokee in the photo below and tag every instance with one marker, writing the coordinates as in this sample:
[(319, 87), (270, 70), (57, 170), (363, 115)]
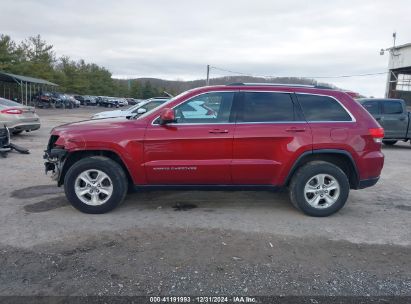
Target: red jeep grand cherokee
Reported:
[(319, 143)]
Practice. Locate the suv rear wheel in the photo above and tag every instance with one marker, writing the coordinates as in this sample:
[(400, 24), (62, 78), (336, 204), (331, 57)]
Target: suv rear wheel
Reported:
[(95, 184), (319, 189)]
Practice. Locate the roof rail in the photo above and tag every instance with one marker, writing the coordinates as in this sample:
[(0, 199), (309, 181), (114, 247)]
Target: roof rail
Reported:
[(272, 84)]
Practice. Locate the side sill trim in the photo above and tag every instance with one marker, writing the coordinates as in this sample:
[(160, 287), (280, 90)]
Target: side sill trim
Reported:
[(207, 187)]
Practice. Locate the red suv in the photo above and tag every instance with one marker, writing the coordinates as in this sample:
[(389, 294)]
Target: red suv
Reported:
[(319, 143)]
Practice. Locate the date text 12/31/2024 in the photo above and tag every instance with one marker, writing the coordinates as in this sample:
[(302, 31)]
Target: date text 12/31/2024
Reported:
[(221, 299)]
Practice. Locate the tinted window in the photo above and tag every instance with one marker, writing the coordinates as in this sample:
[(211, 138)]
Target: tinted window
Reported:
[(392, 107), (206, 108), (322, 108), (267, 107), (371, 106)]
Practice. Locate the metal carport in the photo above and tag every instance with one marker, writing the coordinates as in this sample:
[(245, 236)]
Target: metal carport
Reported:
[(26, 86)]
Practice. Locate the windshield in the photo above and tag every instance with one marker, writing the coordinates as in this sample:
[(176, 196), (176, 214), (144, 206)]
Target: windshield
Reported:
[(165, 103), (131, 109)]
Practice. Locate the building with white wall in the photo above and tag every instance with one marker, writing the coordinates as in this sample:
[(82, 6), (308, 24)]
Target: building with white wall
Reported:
[(399, 73)]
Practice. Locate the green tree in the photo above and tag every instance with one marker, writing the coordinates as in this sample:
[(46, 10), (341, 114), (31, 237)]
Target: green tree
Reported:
[(36, 58), (147, 90), (136, 90), (8, 53)]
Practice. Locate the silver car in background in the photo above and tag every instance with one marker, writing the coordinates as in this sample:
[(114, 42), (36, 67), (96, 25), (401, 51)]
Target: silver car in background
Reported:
[(17, 117)]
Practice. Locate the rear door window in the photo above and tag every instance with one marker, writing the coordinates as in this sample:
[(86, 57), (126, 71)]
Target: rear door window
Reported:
[(372, 106), (392, 107), (322, 108), (267, 107)]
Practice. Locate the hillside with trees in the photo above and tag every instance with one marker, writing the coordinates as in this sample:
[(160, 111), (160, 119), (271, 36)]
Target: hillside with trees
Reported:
[(36, 58)]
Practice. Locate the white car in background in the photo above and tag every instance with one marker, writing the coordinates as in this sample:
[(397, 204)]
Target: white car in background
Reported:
[(138, 109), (122, 102)]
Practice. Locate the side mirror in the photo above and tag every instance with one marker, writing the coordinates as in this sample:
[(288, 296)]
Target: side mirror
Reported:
[(167, 116), (141, 111)]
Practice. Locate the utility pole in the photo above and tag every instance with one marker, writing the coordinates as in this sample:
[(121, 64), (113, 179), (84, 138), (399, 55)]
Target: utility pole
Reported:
[(394, 37), (208, 75)]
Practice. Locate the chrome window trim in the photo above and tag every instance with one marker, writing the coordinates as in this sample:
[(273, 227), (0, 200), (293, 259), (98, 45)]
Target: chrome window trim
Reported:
[(328, 121), (353, 120)]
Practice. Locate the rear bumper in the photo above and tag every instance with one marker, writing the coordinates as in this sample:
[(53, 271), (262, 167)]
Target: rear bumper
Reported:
[(365, 183), (29, 126)]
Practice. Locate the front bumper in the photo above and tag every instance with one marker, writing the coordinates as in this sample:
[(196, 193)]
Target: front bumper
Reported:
[(4, 140), (55, 159)]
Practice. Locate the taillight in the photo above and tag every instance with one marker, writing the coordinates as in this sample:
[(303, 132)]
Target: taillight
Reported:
[(12, 111), (377, 134)]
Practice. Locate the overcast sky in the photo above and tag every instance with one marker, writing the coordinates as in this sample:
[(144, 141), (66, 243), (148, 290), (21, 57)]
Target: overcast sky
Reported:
[(177, 39)]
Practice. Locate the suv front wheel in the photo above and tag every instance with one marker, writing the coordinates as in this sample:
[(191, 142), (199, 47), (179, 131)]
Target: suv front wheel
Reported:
[(319, 188), (95, 184)]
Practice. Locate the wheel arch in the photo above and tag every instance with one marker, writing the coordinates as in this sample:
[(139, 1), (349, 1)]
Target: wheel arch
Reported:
[(73, 157), (340, 158)]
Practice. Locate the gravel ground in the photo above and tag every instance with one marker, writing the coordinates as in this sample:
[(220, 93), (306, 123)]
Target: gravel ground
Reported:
[(199, 243)]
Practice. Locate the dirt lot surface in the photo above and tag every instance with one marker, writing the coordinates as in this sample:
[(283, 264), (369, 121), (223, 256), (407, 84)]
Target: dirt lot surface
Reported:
[(199, 243)]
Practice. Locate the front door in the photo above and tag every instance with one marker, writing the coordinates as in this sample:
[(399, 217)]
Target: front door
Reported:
[(195, 150)]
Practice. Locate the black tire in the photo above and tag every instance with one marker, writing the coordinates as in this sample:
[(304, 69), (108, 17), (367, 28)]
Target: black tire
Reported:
[(389, 142), (305, 174), (112, 169)]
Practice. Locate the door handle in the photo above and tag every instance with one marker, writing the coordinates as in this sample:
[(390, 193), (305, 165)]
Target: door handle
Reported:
[(295, 130), (217, 131), (402, 118)]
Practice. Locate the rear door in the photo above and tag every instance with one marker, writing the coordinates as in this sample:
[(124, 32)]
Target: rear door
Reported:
[(269, 136), (197, 148), (394, 119), (332, 125)]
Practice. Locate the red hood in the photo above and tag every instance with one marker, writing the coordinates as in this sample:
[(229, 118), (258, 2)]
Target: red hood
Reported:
[(94, 125), (96, 132)]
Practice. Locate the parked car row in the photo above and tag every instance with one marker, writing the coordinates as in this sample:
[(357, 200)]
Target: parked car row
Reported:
[(56, 100), (106, 101), (63, 100)]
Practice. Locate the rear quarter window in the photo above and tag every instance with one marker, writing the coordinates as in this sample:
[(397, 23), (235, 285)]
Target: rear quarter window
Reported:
[(322, 108)]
